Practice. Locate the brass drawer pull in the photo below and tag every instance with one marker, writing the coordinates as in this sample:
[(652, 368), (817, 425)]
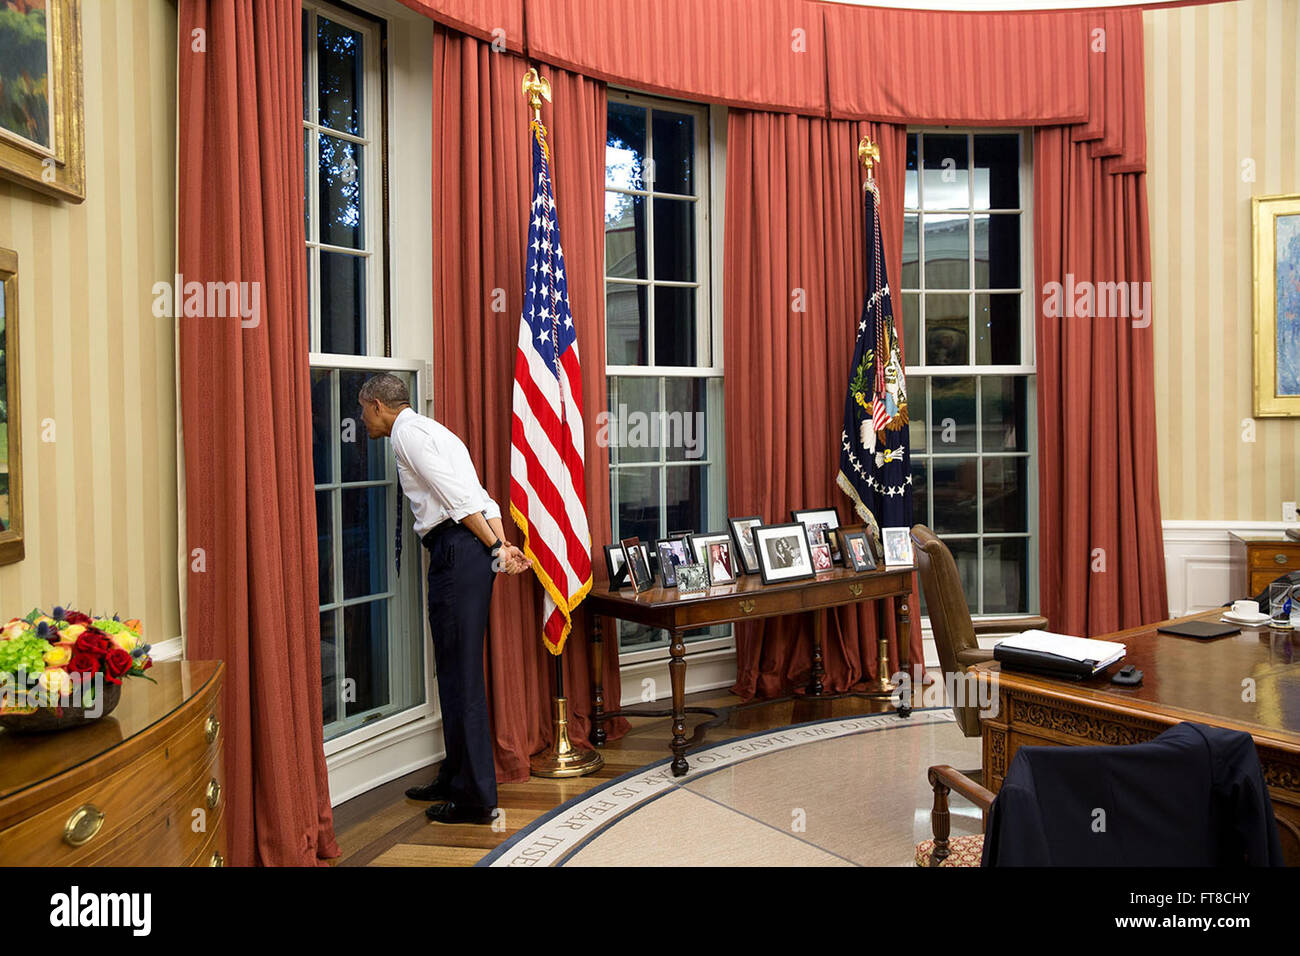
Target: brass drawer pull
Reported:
[(214, 793), (217, 860), (747, 607), (211, 728), (855, 590), (83, 825), (1279, 559)]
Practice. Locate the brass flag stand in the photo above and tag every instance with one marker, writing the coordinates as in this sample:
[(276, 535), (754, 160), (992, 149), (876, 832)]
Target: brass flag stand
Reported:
[(561, 758)]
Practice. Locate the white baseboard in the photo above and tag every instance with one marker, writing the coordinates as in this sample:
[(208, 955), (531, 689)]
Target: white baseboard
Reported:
[(376, 761), (172, 649), (1201, 569)]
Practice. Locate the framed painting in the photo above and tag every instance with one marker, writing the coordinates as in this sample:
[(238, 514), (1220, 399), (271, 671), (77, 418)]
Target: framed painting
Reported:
[(42, 119), (12, 548), (1276, 240)]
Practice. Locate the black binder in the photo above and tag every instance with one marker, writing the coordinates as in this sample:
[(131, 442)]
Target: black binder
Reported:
[(1049, 665)]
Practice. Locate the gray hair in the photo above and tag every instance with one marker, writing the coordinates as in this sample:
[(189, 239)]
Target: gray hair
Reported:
[(385, 388)]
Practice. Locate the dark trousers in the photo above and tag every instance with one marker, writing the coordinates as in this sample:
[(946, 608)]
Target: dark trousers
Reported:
[(460, 591)]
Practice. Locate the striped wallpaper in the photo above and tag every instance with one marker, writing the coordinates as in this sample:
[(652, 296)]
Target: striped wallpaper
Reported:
[(96, 366), (1222, 89)]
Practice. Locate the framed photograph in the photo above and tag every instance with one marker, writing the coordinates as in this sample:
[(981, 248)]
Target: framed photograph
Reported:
[(720, 562), (12, 544), (616, 564), (742, 531), (638, 564), (698, 542), (823, 526), (42, 116), (821, 558), (898, 546), (857, 551), (783, 552), (1276, 235), (673, 553), (681, 534), (692, 578)]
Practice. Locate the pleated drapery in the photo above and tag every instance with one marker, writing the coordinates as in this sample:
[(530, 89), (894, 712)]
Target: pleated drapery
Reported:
[(481, 196), (246, 417)]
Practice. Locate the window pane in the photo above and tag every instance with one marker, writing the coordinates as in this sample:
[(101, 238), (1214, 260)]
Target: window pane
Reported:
[(916, 414), (911, 253), (1004, 413), (625, 324), (636, 504), (676, 328), (947, 178), (997, 251), (322, 437), (674, 152), (952, 403), (947, 329), (365, 655), (685, 423), (675, 240), (911, 199), (306, 52), (965, 552), (920, 491), (625, 243), (306, 184), (997, 171), (361, 458), (342, 303), (340, 193), (687, 500), (955, 491), (367, 540), (1006, 576), (997, 328), (913, 354), (947, 252), (1005, 503), (341, 71), (633, 409), (325, 545), (328, 664), (625, 147)]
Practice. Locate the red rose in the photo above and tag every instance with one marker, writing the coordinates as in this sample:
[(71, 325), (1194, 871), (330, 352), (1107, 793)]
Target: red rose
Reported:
[(94, 641), (83, 663), (76, 617), (117, 663)]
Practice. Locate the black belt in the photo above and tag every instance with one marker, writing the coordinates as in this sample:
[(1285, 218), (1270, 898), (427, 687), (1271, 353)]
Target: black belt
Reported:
[(440, 529)]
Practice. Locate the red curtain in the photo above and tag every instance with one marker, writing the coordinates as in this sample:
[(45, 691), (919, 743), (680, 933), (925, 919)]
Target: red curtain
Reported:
[(1101, 546), (794, 230), (246, 416), (481, 194), (499, 21)]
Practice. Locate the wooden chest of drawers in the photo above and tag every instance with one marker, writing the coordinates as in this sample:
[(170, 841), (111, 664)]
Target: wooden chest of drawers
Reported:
[(1266, 556), (140, 787)]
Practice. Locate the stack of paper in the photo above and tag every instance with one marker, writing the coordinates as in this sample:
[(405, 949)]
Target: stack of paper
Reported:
[(1043, 650)]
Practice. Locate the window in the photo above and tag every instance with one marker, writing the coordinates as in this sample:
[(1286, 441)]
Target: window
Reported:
[(663, 355), (372, 647), (968, 337)]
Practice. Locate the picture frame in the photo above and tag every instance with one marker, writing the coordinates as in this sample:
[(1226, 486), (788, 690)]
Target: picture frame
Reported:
[(43, 143), (898, 547), (12, 540), (812, 517), (616, 564), (821, 558), (1275, 240), (784, 553), (720, 561), (742, 531), (858, 553), (681, 534), (692, 579), (638, 564), (673, 553)]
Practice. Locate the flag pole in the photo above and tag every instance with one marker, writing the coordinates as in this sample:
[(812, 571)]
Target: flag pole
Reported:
[(561, 758)]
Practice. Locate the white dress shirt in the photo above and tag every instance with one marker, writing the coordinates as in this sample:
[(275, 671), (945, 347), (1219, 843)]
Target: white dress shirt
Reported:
[(436, 472)]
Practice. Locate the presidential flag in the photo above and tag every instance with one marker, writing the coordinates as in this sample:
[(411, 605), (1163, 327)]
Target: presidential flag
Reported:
[(547, 475), (875, 465)]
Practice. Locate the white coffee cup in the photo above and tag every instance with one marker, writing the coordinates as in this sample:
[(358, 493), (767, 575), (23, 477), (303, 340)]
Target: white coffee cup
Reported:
[(1245, 608)]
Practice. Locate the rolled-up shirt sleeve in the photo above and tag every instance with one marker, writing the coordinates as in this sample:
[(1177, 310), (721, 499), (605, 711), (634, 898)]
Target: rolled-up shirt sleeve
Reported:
[(454, 489)]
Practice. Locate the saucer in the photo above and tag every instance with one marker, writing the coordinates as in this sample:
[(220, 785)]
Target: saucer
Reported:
[(1248, 620)]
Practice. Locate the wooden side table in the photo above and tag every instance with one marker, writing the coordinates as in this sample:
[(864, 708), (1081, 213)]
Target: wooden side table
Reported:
[(1266, 556)]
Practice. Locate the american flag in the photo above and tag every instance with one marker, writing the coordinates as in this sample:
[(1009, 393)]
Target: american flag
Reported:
[(547, 483)]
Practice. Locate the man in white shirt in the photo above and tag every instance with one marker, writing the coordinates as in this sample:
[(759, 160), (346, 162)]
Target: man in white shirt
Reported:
[(461, 527)]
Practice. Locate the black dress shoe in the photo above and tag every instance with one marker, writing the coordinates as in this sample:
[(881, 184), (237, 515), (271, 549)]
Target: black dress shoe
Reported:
[(452, 813), (438, 790)]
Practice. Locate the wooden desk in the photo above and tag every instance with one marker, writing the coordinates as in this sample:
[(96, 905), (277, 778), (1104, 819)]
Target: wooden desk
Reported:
[(1184, 679), (748, 599)]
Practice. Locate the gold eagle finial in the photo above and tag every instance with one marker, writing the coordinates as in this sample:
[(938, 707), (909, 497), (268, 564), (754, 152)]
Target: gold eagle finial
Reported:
[(535, 88)]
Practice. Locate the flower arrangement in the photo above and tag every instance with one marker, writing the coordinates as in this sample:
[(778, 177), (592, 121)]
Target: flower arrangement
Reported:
[(67, 660)]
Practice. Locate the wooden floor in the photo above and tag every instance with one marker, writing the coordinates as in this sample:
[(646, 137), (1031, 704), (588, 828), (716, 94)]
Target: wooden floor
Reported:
[(384, 828)]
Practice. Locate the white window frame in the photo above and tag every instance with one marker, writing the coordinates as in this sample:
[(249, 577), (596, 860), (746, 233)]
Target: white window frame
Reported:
[(1026, 368)]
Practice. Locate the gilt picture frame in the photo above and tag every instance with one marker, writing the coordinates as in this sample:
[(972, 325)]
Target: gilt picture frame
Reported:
[(1275, 231), (12, 546), (42, 109)]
